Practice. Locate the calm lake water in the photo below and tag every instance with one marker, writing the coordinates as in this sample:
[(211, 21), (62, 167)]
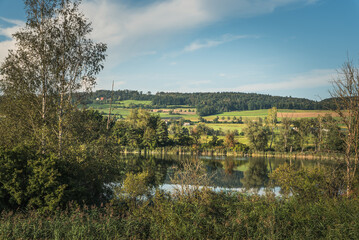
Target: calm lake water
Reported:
[(224, 173)]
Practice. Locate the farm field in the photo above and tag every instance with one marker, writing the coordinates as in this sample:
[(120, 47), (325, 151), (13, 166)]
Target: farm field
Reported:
[(189, 113), (304, 113), (264, 112), (240, 139), (226, 126)]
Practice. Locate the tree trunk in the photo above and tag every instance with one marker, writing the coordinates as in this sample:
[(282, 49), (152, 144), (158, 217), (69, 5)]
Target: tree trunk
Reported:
[(43, 117), (271, 142), (60, 128)]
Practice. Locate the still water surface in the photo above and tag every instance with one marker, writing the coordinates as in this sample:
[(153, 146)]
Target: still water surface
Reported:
[(225, 173)]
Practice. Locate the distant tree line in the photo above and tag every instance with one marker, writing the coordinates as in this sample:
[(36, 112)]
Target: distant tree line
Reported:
[(217, 102), (119, 95)]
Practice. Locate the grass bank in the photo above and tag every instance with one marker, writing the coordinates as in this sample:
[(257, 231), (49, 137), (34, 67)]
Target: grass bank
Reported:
[(202, 215)]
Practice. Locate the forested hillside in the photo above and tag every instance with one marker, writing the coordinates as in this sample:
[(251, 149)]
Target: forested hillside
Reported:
[(213, 103)]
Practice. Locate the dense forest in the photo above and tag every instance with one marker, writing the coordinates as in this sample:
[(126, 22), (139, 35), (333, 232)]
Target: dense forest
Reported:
[(214, 102)]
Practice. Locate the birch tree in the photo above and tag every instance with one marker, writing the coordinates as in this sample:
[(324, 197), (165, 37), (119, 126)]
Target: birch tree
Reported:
[(345, 93), (54, 58)]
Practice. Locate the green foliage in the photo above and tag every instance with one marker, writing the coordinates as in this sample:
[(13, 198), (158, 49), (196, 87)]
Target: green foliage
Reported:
[(257, 134), (54, 59), (240, 147), (180, 135), (286, 140), (135, 185), (214, 142), (256, 175), (303, 128), (28, 179), (333, 137), (309, 184), (229, 140), (141, 130)]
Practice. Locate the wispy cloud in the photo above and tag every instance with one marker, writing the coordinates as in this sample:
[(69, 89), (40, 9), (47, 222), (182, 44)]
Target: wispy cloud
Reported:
[(207, 43), (7, 32), (196, 45), (118, 84), (131, 29), (312, 79)]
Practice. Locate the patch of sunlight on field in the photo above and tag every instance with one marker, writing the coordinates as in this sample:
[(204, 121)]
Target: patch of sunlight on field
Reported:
[(253, 113), (127, 103), (98, 106), (242, 139), (244, 114), (192, 117), (166, 115), (119, 111), (224, 126)]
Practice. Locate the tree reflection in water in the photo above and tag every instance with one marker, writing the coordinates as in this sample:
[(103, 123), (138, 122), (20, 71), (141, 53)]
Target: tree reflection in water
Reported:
[(257, 174), (224, 172)]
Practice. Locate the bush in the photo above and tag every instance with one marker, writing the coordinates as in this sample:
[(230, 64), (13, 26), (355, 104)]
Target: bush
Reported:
[(29, 180), (134, 185), (309, 184)]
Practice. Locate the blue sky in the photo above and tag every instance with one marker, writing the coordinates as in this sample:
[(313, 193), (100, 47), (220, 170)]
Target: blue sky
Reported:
[(277, 47)]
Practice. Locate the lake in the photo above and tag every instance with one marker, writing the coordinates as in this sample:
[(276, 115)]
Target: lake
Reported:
[(220, 173)]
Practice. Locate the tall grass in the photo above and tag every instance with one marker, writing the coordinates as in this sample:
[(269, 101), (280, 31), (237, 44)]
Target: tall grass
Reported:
[(201, 215)]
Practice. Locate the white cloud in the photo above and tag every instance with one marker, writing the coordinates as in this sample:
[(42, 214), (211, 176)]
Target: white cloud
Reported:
[(312, 79), (118, 84), (207, 43), (4, 48), (196, 45), (134, 30), (13, 21), (222, 75), (8, 32), (129, 30)]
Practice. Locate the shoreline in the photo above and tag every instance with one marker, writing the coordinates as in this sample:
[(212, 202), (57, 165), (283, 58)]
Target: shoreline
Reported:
[(162, 152)]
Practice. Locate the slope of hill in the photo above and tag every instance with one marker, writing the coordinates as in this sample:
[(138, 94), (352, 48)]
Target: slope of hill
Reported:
[(212, 102)]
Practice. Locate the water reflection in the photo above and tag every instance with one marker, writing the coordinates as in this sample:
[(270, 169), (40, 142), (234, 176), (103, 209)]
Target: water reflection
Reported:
[(224, 172), (156, 168), (257, 174)]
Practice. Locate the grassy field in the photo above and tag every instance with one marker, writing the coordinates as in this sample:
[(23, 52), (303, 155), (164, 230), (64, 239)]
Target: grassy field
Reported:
[(253, 113), (127, 103), (226, 126)]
